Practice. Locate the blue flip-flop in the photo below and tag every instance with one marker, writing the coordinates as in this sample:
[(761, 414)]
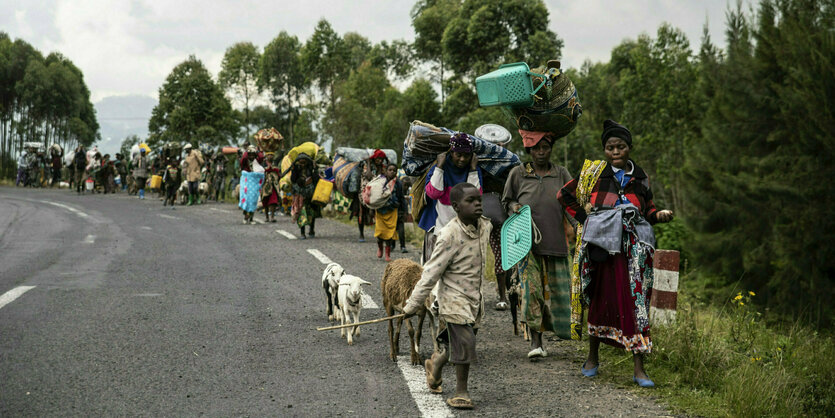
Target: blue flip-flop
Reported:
[(589, 372)]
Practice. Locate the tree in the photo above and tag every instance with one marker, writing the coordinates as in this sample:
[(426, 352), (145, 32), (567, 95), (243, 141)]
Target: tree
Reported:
[(191, 108), (41, 100), (429, 19), (325, 60), (128, 143), (238, 75), (281, 74)]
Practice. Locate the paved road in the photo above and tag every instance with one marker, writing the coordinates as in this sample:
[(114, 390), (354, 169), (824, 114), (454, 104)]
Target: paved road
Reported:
[(115, 306)]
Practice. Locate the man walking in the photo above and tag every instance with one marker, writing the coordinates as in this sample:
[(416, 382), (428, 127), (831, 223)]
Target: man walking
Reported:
[(80, 163), (194, 162)]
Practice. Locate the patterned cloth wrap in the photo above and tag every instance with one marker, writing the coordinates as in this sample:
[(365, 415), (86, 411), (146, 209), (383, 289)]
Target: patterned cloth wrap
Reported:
[(588, 178), (250, 190), (268, 139), (424, 142), (340, 203)]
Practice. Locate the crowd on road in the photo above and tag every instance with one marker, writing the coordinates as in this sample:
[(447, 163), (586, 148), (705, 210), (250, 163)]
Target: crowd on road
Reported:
[(605, 213)]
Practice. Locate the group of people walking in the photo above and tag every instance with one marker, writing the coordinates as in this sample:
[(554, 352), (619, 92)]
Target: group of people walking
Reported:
[(606, 211)]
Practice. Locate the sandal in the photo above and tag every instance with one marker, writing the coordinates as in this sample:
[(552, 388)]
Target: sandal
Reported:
[(434, 386), (501, 306), (460, 403)]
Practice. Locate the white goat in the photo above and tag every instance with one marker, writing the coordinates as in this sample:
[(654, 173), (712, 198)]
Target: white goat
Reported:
[(330, 283), (350, 303)]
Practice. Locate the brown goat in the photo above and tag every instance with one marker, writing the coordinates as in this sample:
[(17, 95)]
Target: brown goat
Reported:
[(399, 279)]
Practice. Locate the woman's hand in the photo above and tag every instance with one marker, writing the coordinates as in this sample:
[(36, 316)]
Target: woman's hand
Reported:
[(515, 207), (664, 215), (308, 181), (440, 160), (474, 162)]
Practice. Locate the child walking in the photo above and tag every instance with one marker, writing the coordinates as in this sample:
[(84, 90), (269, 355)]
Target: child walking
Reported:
[(388, 216), (457, 263), (172, 179)]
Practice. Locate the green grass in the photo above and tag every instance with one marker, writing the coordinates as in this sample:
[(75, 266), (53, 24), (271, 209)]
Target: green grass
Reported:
[(725, 361), (722, 359)]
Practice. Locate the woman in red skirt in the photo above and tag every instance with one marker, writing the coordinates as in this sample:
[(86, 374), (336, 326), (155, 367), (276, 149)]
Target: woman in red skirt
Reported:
[(613, 200)]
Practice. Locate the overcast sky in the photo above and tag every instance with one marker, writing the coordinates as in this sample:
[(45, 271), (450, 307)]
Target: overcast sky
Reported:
[(129, 47)]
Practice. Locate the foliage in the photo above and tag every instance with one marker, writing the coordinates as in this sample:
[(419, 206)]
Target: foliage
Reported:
[(238, 75), (761, 208), (191, 108), (128, 143), (42, 99), (727, 362), (281, 74)]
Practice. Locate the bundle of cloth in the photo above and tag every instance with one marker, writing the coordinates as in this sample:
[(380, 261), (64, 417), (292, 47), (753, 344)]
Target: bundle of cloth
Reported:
[(315, 152), (424, 142), (268, 139), (353, 155), (346, 176)]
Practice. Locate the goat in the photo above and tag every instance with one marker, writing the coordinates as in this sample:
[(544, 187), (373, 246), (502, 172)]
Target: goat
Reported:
[(330, 283), (350, 304), (399, 279)]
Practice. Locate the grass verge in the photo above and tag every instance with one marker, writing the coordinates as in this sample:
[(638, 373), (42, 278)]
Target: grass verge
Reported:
[(725, 361)]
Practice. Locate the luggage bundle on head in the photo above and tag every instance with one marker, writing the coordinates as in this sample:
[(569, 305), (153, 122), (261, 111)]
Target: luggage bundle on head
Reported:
[(424, 142), (360, 154), (553, 106), (172, 150), (315, 152), (346, 176), (269, 140)]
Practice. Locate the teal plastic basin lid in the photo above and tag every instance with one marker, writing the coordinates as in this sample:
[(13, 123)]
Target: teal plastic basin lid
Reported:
[(517, 237)]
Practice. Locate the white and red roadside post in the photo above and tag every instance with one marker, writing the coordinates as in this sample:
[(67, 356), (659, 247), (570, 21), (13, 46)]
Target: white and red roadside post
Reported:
[(662, 305)]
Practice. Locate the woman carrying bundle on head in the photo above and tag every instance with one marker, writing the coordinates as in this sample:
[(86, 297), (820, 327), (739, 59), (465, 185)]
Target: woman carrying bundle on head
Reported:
[(613, 200), (304, 177), (252, 177), (546, 278), (270, 190), (458, 165)]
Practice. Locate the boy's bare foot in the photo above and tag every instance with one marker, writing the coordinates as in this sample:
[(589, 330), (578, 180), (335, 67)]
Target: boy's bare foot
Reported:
[(433, 384)]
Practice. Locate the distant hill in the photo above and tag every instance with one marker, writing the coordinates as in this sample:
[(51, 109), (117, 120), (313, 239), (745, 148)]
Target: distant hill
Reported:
[(122, 116)]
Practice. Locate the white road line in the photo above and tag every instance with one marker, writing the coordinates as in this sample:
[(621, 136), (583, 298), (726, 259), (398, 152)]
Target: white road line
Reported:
[(319, 256), (258, 221), (368, 303), (91, 239), (429, 404), (147, 228), (13, 294), (220, 210), (71, 209), (168, 216), (286, 234)]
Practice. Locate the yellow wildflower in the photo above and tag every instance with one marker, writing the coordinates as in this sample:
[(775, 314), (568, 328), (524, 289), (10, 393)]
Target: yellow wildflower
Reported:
[(738, 297), (779, 349), (752, 293), (741, 303)]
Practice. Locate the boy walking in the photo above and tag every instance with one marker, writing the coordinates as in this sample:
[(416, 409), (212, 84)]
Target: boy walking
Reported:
[(457, 262), (172, 180)]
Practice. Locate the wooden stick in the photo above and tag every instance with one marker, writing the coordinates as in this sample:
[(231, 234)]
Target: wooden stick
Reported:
[(373, 321)]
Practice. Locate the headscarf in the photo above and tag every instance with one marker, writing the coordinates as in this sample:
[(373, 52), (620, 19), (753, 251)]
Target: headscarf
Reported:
[(461, 142), (614, 129), (378, 153), (531, 138)]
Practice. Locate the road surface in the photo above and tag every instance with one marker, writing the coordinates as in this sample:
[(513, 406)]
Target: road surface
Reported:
[(114, 306)]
